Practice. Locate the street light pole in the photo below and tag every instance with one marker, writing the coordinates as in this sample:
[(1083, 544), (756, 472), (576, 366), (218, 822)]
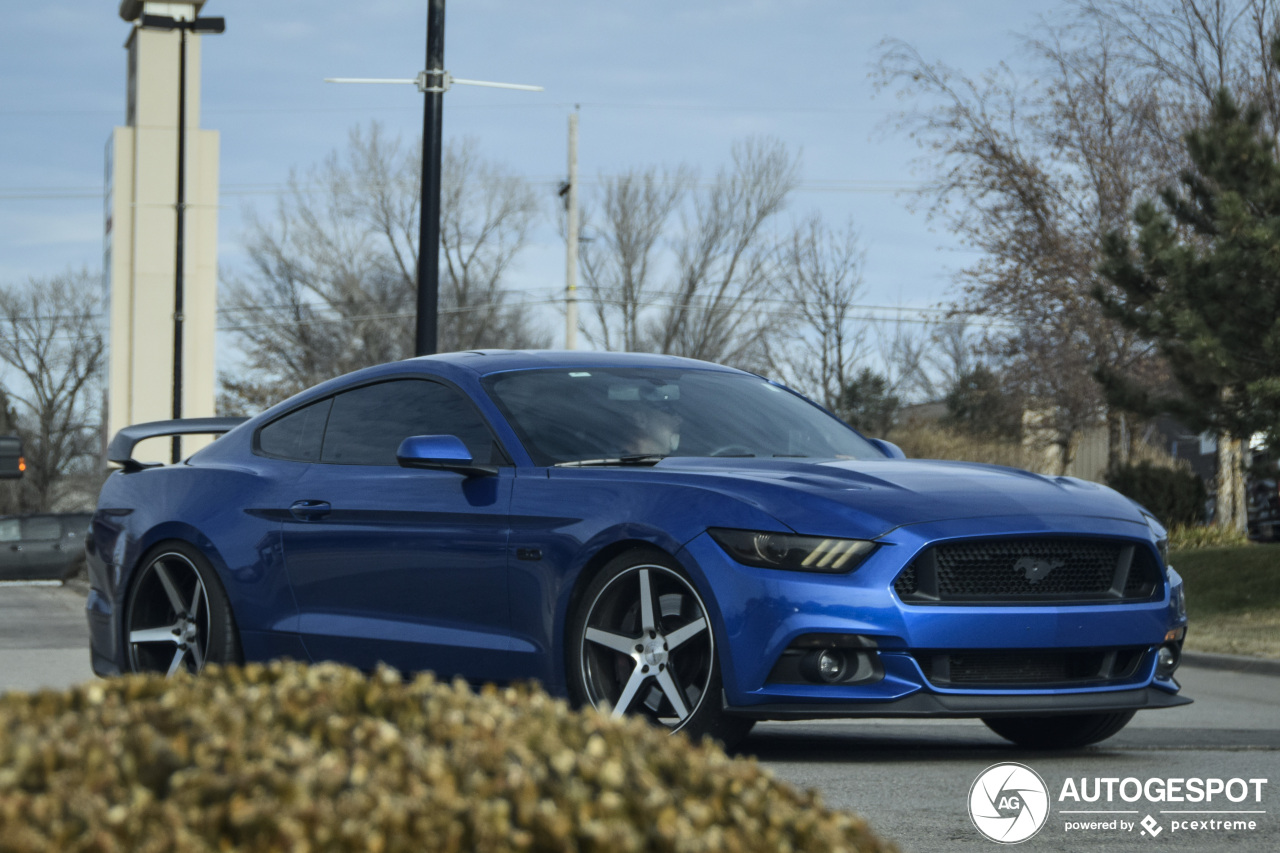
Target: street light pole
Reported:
[(426, 340), (432, 82)]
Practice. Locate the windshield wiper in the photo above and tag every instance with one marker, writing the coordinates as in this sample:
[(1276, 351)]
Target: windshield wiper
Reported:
[(633, 459)]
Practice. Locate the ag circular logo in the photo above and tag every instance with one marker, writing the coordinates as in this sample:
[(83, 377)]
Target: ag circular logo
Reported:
[(1008, 803)]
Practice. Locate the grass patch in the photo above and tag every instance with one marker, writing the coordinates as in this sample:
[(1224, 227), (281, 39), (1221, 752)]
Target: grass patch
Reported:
[(1230, 580), (1233, 599), (1252, 634)]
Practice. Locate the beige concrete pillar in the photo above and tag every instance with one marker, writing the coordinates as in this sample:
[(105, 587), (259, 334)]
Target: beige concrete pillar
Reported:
[(141, 223)]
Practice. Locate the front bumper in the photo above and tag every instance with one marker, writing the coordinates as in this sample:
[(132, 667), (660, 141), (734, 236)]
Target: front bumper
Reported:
[(761, 612)]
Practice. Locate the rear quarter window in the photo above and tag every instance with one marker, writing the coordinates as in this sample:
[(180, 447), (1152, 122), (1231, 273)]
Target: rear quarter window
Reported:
[(298, 435)]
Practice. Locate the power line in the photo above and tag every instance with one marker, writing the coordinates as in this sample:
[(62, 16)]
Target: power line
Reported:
[(508, 105), (851, 186)]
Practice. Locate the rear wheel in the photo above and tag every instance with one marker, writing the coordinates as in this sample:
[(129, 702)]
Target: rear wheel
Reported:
[(641, 643), (1064, 732), (178, 616)]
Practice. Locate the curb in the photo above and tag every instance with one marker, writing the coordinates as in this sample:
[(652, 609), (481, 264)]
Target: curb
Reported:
[(1233, 663)]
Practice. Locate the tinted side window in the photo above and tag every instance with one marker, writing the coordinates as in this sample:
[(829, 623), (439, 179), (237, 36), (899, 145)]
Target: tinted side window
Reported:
[(297, 435), (367, 424), (41, 528)]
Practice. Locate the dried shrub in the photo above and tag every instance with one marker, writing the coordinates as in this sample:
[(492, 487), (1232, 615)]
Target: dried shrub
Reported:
[(285, 757), (930, 441), (1187, 537)]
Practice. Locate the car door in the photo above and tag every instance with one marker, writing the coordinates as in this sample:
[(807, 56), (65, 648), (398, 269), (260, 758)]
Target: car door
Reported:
[(43, 551), (398, 565), (12, 560)]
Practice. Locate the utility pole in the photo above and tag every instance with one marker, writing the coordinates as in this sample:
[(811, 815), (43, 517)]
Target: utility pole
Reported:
[(426, 340), (432, 82), (571, 243)]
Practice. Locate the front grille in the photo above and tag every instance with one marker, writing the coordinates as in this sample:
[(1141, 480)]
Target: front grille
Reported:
[(1015, 571), (1023, 667)]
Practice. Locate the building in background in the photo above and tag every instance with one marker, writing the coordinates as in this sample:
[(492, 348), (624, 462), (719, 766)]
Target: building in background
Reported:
[(141, 223)]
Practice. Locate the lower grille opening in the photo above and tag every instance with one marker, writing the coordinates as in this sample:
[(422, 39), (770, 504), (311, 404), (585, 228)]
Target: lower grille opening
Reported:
[(1030, 667)]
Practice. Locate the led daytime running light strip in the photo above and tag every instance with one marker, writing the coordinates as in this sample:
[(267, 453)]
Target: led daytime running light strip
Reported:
[(831, 549)]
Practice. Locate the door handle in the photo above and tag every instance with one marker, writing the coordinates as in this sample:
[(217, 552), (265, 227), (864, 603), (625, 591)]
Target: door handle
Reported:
[(310, 510), (15, 547)]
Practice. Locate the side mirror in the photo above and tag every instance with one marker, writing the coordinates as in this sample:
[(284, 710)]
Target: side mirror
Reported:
[(888, 448), (440, 453)]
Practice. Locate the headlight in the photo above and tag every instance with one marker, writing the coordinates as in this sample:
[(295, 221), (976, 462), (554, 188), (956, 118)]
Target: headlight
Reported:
[(1161, 536), (1178, 600), (789, 551)]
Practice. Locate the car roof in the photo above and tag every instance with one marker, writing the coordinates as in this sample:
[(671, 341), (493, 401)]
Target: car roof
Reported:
[(487, 361), (481, 363)]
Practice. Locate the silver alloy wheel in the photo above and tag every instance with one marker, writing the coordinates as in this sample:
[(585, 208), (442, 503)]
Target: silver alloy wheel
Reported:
[(168, 617), (648, 646)]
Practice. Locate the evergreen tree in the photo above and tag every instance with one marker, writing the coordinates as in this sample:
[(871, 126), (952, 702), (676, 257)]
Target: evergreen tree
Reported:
[(1202, 282), (980, 404), (867, 404)]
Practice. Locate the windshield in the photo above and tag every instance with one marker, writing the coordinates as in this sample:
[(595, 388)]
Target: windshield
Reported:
[(642, 415)]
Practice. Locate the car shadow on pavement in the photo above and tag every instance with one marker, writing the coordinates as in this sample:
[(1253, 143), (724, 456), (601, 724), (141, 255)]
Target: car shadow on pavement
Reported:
[(880, 744)]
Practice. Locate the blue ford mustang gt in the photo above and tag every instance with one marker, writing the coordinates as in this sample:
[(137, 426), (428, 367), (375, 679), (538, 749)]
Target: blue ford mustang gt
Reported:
[(650, 534)]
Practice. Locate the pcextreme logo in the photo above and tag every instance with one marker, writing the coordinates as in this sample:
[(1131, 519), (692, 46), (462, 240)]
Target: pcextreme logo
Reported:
[(1008, 803)]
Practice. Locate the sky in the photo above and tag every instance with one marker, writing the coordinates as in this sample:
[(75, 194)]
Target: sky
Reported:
[(658, 83)]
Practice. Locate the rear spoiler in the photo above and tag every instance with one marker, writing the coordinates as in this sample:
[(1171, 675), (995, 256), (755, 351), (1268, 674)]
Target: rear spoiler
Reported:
[(120, 450)]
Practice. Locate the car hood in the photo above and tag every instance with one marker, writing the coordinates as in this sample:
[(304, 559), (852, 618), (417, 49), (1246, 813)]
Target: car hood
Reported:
[(870, 498)]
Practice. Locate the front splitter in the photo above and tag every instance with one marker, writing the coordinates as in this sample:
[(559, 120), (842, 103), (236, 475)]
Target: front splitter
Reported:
[(959, 706)]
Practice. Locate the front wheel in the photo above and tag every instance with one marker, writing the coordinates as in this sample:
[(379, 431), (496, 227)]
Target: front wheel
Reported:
[(1064, 732), (642, 643)]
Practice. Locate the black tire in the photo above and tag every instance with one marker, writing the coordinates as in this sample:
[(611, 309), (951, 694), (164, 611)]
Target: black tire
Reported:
[(1064, 732), (645, 668), (178, 615)]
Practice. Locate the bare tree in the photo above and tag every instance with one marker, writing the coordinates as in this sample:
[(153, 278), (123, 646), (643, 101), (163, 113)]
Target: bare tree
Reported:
[(724, 262), (486, 214), (719, 268), (333, 279), (903, 347), (52, 346), (618, 264), (821, 271), (1034, 178), (1034, 175), (952, 356)]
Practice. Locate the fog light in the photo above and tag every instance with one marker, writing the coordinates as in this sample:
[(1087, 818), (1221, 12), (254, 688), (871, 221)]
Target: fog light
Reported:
[(1167, 661), (826, 665)]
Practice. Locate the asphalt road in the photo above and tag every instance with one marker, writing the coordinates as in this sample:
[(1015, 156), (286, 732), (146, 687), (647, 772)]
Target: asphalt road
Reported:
[(910, 779)]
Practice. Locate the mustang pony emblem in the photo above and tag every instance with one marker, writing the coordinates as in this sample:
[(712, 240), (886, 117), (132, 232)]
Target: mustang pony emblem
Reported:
[(1035, 569)]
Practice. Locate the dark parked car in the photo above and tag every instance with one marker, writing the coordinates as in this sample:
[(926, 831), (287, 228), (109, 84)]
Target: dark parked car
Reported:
[(47, 546)]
